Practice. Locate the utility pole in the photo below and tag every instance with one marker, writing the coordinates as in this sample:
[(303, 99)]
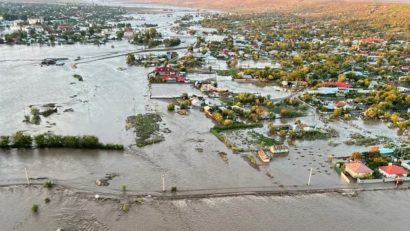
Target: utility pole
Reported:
[(133, 102), (310, 176), (163, 182), (28, 178)]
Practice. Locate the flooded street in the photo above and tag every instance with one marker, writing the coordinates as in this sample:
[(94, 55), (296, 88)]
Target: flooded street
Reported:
[(368, 211)]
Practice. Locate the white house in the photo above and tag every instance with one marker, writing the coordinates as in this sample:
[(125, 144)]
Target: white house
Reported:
[(33, 21), (406, 164)]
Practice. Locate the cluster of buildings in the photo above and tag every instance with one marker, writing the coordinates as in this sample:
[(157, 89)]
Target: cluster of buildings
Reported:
[(59, 24), (395, 169)]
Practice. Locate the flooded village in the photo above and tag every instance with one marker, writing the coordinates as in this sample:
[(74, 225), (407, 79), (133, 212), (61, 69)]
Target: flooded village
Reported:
[(110, 110)]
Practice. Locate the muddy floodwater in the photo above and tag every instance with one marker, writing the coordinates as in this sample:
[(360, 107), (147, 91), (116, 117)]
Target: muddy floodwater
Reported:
[(189, 158), (368, 211)]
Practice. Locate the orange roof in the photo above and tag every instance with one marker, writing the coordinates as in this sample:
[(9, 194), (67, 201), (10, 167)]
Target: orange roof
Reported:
[(358, 167)]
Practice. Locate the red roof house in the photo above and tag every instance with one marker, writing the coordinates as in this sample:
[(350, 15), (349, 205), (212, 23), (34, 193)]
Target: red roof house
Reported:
[(392, 171), (168, 74), (340, 104), (371, 40), (336, 84)]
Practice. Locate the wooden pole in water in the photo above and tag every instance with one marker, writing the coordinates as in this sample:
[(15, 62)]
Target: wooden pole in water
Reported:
[(163, 182), (28, 178), (310, 176)]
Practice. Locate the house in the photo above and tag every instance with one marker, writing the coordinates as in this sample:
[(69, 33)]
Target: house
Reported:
[(327, 90), (386, 151), (336, 84), (358, 170), (406, 164), (162, 71), (303, 127), (279, 149), (371, 40), (392, 171), (330, 106), (33, 21), (168, 74)]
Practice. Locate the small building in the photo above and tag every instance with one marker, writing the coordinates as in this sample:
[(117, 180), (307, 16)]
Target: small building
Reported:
[(336, 84), (358, 170), (279, 149), (371, 40), (406, 164), (33, 21), (327, 90), (386, 151), (393, 171)]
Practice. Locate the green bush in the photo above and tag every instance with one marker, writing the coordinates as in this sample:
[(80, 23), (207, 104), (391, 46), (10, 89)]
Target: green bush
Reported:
[(34, 208), (171, 107), (125, 207), (49, 112), (20, 140), (4, 141), (184, 105), (49, 184)]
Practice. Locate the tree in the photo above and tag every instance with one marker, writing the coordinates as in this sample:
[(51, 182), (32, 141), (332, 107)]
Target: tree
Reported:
[(172, 42), (130, 59), (297, 60), (356, 156), (395, 118), (171, 107), (217, 117), (336, 113), (371, 113), (4, 142), (20, 140), (120, 34), (228, 122)]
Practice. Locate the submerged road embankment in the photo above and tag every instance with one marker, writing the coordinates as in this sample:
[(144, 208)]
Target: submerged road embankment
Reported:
[(348, 190)]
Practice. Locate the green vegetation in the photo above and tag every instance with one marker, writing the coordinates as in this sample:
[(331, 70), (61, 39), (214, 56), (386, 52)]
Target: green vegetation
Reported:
[(359, 139), (251, 160), (20, 140), (4, 142), (235, 125), (171, 107), (264, 141), (172, 42), (218, 129), (35, 119), (146, 127), (229, 72), (315, 134), (125, 207), (130, 59), (78, 77), (150, 37), (49, 184), (34, 208), (47, 200), (49, 111)]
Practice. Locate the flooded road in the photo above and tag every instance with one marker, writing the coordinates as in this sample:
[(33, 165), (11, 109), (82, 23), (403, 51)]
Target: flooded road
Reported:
[(368, 211)]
